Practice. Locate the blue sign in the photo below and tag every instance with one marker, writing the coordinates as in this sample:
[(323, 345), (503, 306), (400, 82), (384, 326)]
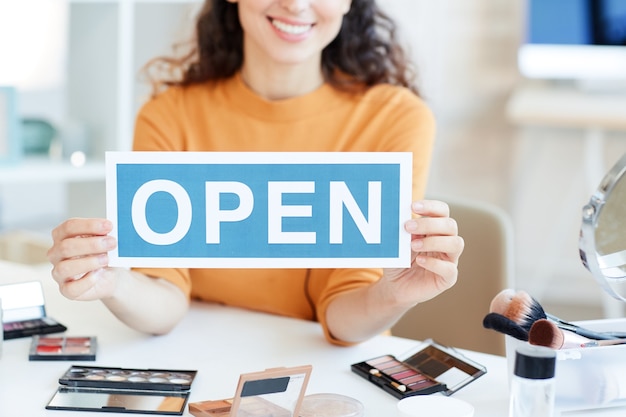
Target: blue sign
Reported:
[(215, 209)]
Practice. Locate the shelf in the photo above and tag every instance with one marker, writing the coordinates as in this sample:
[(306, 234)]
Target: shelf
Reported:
[(47, 171), (567, 107)]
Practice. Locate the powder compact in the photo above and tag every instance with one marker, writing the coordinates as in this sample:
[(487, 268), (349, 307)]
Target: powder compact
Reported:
[(429, 368), (24, 311), (121, 390), (276, 392), (63, 348)]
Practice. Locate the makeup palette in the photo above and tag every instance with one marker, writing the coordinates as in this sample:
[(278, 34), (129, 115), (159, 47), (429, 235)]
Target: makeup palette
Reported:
[(24, 312), (123, 390), (429, 368), (276, 392), (63, 348)]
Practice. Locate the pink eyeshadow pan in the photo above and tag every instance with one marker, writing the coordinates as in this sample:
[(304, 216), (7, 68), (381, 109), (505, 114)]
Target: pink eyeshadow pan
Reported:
[(421, 384), (404, 374), (379, 360), (414, 379), (387, 365), (396, 369)]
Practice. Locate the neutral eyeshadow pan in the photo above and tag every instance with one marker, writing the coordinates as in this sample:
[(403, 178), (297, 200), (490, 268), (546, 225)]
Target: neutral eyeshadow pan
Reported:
[(151, 379)]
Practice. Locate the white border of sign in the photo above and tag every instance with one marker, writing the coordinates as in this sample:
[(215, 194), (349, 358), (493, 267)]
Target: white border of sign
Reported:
[(404, 159)]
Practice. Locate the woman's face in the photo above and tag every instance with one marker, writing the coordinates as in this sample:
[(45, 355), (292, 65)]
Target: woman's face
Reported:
[(289, 32)]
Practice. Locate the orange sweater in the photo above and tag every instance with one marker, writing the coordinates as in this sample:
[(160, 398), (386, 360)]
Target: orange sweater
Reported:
[(228, 116)]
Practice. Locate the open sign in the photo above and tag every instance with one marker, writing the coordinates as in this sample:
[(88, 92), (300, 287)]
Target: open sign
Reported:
[(257, 209)]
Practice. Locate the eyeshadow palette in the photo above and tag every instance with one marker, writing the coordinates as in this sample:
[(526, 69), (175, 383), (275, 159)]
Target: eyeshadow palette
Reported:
[(119, 401), (429, 368), (24, 311), (121, 378), (63, 348), (123, 390), (25, 328)]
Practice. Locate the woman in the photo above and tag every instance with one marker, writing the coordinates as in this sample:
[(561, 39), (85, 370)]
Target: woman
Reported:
[(279, 75)]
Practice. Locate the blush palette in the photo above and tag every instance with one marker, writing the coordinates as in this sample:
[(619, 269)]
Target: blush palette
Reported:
[(62, 348), (428, 369), (276, 392)]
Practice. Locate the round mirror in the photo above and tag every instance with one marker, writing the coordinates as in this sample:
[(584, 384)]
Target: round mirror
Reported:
[(603, 232)]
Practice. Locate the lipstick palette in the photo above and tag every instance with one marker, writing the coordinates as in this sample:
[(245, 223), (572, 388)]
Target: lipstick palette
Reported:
[(63, 348)]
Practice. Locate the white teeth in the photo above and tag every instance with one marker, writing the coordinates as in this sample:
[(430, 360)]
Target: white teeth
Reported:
[(291, 29)]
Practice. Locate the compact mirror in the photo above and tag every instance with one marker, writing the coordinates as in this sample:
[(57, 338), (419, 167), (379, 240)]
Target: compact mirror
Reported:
[(603, 233)]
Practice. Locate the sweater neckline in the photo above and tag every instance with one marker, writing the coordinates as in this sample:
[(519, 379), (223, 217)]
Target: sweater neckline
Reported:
[(322, 99)]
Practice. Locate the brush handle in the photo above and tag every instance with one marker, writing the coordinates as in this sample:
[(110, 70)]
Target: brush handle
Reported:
[(590, 334), (594, 343), (564, 325)]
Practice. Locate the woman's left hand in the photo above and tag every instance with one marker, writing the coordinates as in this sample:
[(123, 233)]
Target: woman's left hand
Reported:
[(435, 251)]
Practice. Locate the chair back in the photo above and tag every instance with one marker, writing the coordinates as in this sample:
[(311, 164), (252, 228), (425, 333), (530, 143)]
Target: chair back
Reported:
[(454, 318)]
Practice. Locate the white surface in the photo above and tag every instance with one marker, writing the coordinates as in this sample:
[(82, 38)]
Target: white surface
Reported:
[(435, 405), (221, 343), (572, 62)]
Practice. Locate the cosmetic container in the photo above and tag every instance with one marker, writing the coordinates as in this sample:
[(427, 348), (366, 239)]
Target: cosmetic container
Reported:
[(330, 405), (533, 385)]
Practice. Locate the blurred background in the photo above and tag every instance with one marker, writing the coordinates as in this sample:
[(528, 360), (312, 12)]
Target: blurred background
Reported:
[(533, 138)]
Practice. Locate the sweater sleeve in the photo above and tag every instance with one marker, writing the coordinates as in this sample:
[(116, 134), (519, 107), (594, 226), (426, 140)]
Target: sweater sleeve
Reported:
[(157, 128)]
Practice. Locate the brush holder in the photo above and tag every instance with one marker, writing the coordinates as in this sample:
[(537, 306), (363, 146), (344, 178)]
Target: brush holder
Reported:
[(586, 378)]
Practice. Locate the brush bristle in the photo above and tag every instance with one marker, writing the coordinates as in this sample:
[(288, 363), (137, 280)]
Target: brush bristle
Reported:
[(518, 306), (546, 333), (505, 325), (501, 301)]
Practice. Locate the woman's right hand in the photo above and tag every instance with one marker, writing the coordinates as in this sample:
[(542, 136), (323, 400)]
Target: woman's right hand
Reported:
[(80, 260)]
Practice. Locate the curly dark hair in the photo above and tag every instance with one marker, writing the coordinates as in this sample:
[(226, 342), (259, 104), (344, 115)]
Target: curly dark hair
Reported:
[(366, 51)]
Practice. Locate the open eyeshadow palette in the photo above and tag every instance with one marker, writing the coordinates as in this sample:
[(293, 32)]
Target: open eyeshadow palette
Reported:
[(24, 312), (429, 368), (276, 392), (121, 390), (63, 348)]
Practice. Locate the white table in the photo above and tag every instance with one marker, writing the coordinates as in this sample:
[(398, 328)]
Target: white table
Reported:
[(221, 343)]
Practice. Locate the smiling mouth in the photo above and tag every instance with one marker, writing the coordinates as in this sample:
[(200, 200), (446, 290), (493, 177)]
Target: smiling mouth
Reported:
[(289, 28)]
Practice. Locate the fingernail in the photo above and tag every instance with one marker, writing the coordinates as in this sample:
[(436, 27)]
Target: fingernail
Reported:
[(417, 244), (420, 260), (411, 226), (103, 259), (106, 225), (418, 206), (108, 243)]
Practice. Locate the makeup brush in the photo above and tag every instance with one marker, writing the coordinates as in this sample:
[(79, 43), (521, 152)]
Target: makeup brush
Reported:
[(523, 309), (505, 325), (546, 333), (518, 306)]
